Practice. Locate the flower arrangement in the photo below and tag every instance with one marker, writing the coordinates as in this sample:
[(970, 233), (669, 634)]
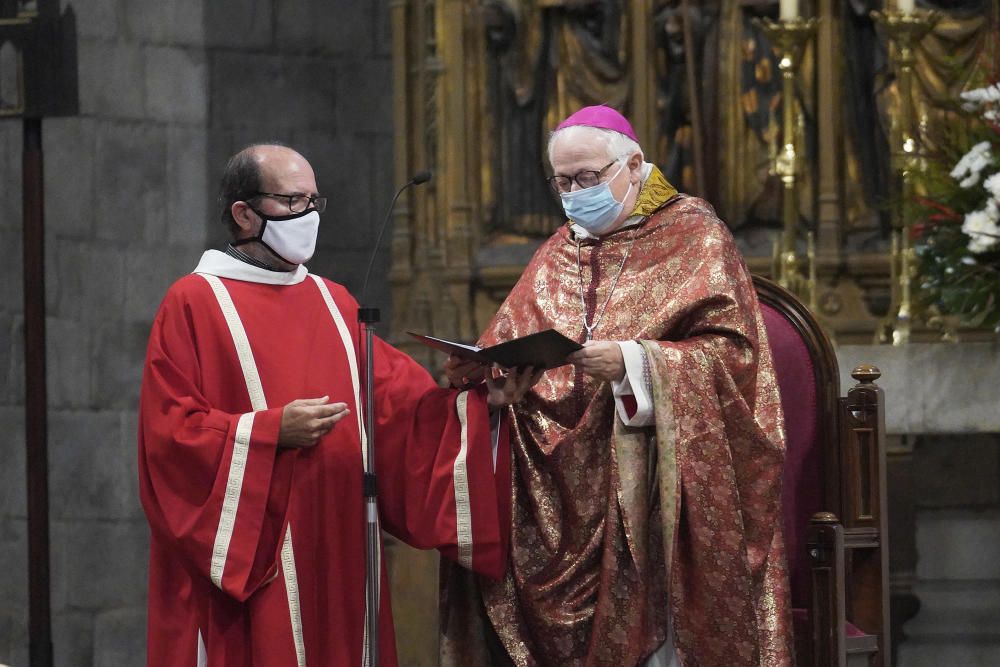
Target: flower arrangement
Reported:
[(957, 238)]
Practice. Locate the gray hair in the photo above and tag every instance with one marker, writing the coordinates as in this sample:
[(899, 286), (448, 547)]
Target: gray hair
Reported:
[(617, 145)]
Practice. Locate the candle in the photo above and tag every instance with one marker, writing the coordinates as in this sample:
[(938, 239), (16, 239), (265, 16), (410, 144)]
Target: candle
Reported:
[(790, 9), (905, 6)]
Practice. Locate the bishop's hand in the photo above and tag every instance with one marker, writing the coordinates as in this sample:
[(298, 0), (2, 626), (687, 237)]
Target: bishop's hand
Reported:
[(304, 421), (601, 359)]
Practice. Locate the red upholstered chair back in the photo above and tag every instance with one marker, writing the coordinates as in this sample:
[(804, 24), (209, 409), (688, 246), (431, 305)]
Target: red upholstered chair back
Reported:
[(833, 494), (808, 381)]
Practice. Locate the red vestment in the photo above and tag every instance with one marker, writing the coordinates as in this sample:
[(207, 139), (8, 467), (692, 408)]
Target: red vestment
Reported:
[(615, 528), (257, 553)]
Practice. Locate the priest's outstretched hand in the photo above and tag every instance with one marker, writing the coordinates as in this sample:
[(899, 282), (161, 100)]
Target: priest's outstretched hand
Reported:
[(510, 387), (505, 388), (304, 421), (464, 373), (601, 359)]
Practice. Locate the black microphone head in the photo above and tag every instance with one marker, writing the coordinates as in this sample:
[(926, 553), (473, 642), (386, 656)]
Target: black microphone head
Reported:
[(421, 177)]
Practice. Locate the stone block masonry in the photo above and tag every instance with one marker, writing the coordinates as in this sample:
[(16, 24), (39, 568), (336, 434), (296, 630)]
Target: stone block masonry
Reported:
[(168, 90)]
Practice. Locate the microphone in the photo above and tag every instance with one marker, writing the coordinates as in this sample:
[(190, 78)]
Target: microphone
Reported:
[(367, 317), (418, 178)]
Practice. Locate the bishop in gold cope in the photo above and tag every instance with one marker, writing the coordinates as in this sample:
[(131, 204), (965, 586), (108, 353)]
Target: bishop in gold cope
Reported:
[(646, 514)]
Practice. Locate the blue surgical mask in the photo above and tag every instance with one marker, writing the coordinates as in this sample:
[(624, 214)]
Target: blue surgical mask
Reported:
[(595, 208)]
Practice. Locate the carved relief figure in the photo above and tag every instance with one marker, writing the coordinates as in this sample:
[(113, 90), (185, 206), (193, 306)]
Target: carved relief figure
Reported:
[(545, 58)]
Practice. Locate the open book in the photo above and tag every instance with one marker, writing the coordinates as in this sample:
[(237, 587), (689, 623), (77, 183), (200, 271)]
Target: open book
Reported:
[(545, 349)]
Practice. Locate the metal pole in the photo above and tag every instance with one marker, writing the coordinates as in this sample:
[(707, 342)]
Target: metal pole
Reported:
[(367, 317), (35, 397)]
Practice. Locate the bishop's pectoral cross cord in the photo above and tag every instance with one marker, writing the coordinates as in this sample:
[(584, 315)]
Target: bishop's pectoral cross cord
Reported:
[(598, 316)]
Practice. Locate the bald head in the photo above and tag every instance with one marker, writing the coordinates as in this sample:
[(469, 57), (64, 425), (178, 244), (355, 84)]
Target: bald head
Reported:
[(277, 163), (266, 167)]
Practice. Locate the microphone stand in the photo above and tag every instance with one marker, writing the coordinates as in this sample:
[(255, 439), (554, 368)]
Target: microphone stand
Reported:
[(367, 318)]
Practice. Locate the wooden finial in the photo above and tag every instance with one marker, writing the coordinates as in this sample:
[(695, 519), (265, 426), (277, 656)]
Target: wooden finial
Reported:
[(866, 373)]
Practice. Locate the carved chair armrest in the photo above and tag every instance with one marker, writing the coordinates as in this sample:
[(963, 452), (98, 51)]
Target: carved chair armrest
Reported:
[(828, 615)]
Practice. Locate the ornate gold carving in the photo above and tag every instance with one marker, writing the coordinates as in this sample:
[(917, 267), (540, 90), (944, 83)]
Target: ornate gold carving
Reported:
[(479, 83)]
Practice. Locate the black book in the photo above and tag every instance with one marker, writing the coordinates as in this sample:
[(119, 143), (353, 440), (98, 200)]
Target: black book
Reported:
[(545, 349)]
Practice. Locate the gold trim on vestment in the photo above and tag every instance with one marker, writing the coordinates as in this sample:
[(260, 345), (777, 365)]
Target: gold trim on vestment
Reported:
[(231, 500), (292, 588), (463, 508)]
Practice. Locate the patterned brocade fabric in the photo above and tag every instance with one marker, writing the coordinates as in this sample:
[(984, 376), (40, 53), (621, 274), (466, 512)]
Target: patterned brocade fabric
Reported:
[(610, 522), (656, 191)]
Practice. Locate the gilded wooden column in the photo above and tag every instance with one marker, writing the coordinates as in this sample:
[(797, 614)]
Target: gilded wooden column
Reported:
[(457, 173), (416, 71), (401, 232), (643, 72), (830, 207)]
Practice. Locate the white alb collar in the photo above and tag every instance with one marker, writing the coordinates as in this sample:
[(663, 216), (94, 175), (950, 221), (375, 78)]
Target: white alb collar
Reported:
[(217, 263)]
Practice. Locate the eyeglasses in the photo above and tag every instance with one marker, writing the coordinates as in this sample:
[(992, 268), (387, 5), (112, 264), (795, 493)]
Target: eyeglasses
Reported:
[(297, 203), (587, 178)]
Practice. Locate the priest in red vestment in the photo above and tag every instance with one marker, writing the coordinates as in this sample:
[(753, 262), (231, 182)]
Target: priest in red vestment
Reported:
[(646, 478), (250, 448)]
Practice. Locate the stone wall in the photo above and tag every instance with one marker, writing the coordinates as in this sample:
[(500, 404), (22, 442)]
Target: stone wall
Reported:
[(168, 89), (957, 546), (944, 497), (932, 388)]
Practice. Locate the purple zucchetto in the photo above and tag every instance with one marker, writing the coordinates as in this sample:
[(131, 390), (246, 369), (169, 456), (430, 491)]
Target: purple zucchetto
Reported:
[(603, 117)]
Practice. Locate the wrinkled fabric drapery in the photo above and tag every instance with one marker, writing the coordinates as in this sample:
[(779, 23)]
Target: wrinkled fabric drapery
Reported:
[(257, 553), (610, 521)]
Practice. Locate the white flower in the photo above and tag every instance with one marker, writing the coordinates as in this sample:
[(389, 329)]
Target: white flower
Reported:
[(969, 180), (992, 185), (981, 226), (972, 163), (979, 244), (983, 95), (985, 101)]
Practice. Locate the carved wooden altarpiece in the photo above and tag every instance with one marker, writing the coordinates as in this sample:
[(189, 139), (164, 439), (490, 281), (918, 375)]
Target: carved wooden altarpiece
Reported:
[(479, 83)]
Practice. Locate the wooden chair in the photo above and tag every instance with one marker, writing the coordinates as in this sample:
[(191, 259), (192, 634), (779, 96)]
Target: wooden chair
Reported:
[(834, 492)]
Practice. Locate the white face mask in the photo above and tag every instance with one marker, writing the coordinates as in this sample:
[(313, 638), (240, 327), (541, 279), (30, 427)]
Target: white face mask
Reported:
[(290, 237)]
